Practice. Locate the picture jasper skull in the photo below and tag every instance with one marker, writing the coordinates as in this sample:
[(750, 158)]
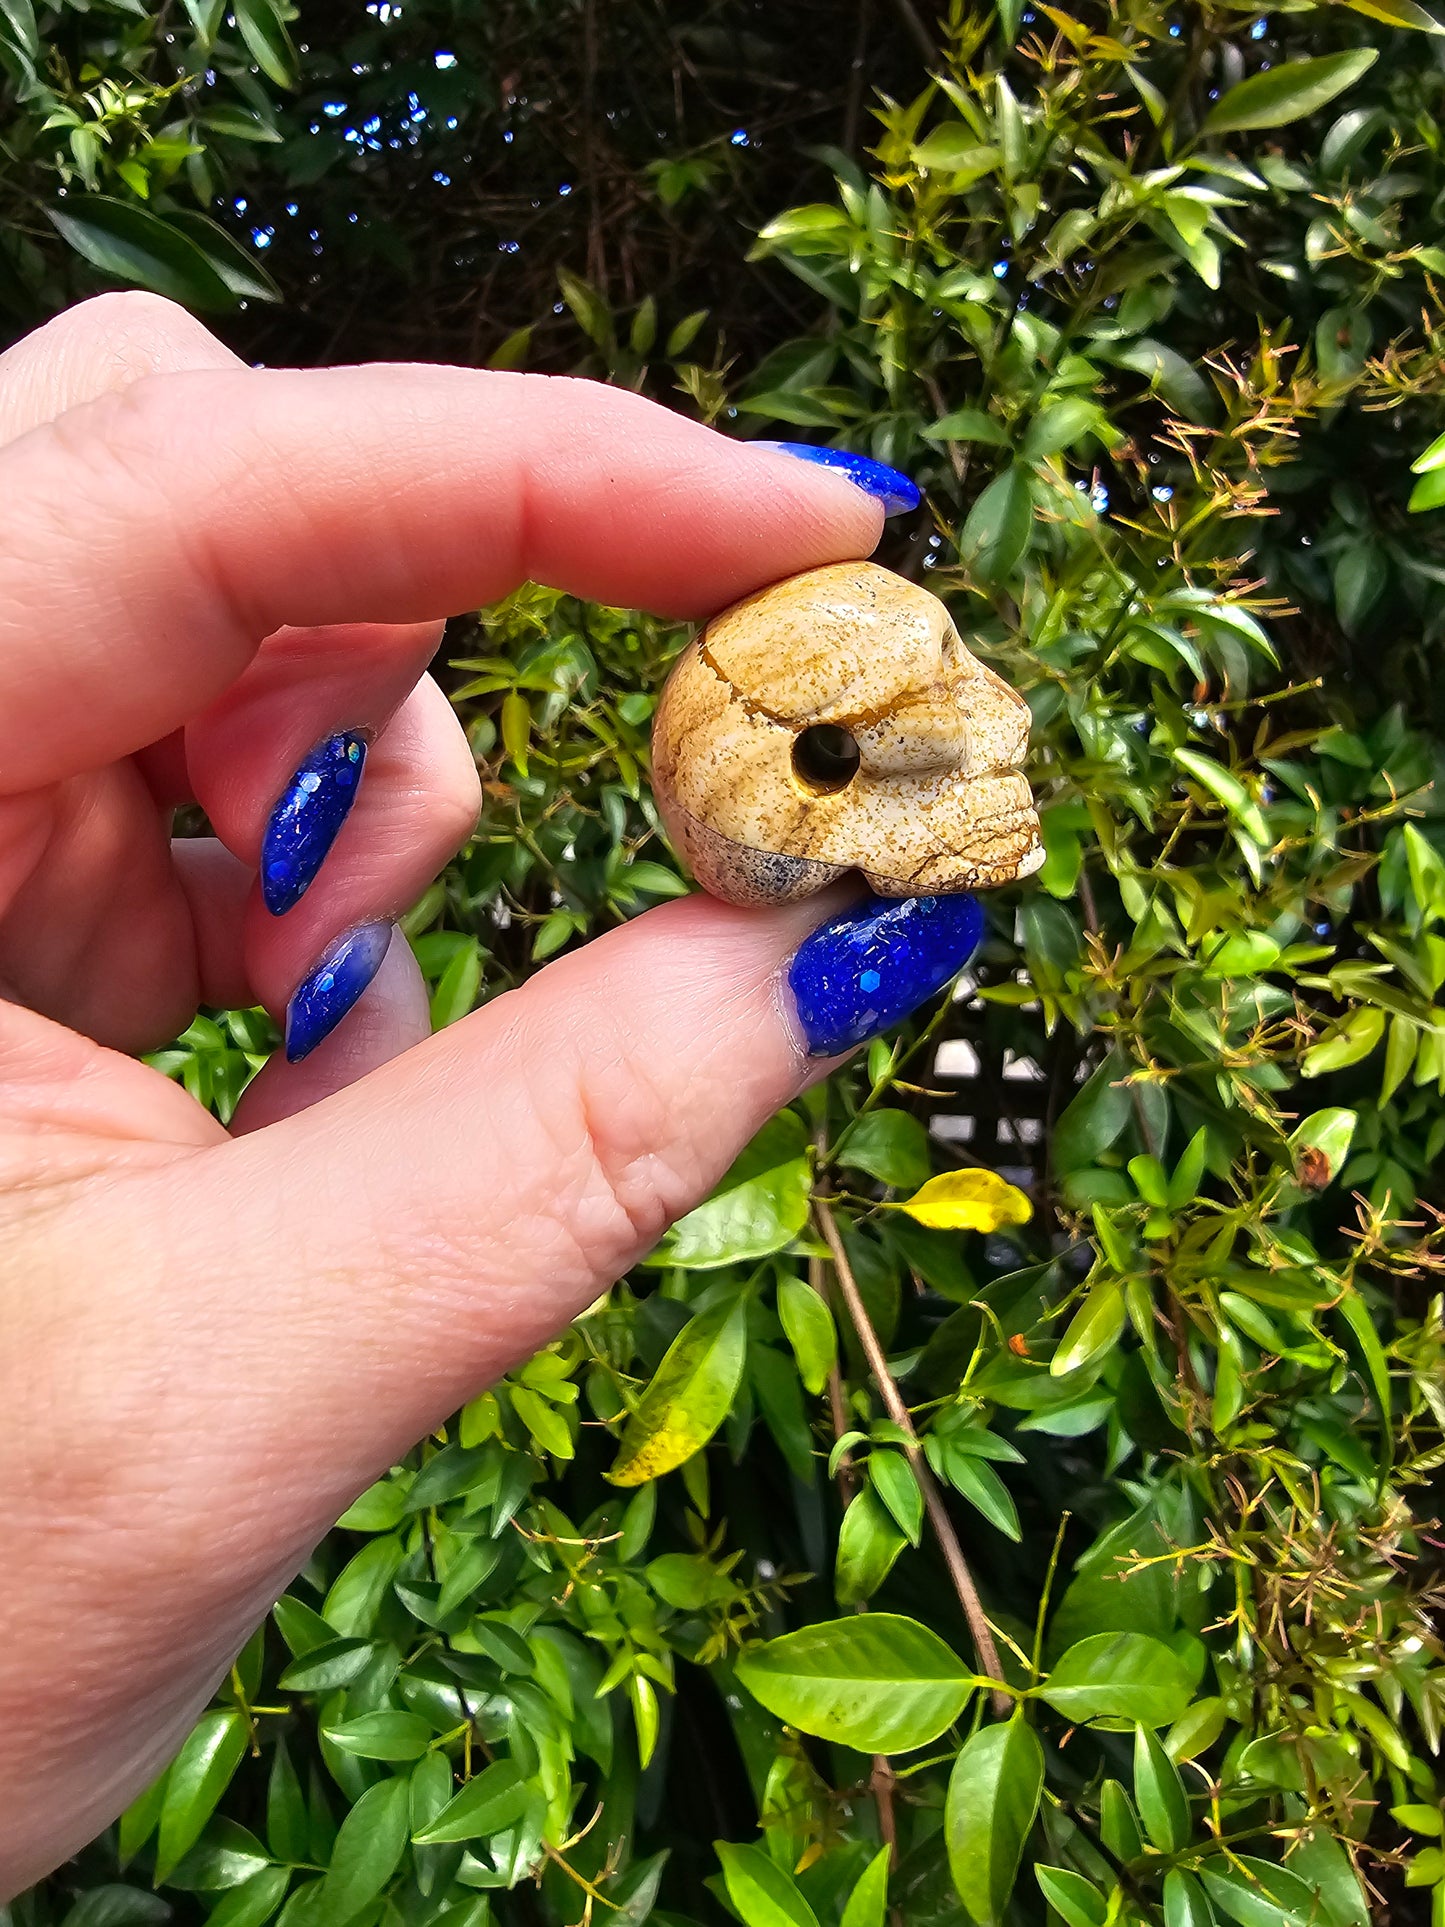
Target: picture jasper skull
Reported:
[(836, 722)]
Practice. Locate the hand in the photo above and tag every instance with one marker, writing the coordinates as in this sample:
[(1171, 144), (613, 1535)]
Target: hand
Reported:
[(212, 1342)]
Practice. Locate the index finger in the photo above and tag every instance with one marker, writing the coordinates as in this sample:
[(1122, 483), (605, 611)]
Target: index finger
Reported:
[(158, 535)]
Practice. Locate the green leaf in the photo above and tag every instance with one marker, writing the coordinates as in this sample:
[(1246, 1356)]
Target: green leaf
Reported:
[(760, 1206), (892, 1478), (377, 1509), (490, 1801), (1159, 1794), (868, 1903), (199, 1775), (1323, 1864), (384, 1735), (804, 225), (1094, 1329), (1185, 1902), (982, 1487), (1398, 13), (17, 23), (1076, 1901), (139, 1820), (1288, 92), (456, 991), (1348, 1042), (1094, 1118), (287, 1824), (1119, 1824), (972, 425), (953, 148), (1428, 492), (302, 1629), (543, 1421), (1059, 426), (996, 534), (368, 1849), (869, 1541), (267, 40), (1255, 1893), (254, 1901), (241, 271), (689, 1397), (993, 1796), (890, 1146), (877, 1682), (763, 1894), (113, 1905), (810, 1331), (1353, 1309), (326, 1667), (1118, 1676), (132, 245), (1330, 1132), (1226, 786), (1420, 1819)]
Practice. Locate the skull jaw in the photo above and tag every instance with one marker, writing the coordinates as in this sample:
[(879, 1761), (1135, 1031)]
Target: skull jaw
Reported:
[(740, 874)]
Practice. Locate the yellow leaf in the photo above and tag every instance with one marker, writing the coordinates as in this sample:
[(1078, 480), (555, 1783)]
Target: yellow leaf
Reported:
[(968, 1201)]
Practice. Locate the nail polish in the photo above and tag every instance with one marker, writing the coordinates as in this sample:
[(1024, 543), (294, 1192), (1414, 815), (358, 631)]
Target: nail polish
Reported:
[(865, 970), (305, 823), (321, 1000), (889, 485)]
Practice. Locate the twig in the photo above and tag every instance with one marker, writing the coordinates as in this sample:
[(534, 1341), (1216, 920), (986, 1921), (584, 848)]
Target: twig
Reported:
[(857, 74), (881, 1781), (837, 1410), (922, 39), (984, 1649)]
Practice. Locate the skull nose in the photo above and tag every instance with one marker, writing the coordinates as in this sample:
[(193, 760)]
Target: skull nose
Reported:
[(918, 737)]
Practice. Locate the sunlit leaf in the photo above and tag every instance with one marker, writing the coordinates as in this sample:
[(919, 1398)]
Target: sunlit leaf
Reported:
[(688, 1397), (971, 1200), (876, 1682)]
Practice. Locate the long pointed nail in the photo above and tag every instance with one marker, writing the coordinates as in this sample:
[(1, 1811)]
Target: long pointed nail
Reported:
[(320, 1001), (866, 970), (890, 486), (305, 823)]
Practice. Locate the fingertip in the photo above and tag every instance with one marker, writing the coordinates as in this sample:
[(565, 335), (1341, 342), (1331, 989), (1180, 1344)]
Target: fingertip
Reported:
[(389, 1014)]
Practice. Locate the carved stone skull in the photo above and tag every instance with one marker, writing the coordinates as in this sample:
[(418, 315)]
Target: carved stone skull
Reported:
[(836, 722)]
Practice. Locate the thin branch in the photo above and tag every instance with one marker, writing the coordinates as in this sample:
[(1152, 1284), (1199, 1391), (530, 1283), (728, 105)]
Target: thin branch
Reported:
[(857, 78), (881, 1781), (921, 37), (985, 1651)]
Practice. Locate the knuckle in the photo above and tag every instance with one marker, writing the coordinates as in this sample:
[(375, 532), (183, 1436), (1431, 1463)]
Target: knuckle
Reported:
[(627, 1126), (132, 334)]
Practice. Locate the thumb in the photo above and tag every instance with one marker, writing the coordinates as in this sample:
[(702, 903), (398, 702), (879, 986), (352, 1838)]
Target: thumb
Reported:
[(257, 1327), (411, 1236), (450, 1211)]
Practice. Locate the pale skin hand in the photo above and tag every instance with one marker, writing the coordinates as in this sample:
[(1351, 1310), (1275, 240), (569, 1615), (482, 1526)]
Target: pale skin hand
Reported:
[(210, 1342)]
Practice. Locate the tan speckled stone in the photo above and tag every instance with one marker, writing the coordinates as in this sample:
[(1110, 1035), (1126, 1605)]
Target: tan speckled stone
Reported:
[(938, 801)]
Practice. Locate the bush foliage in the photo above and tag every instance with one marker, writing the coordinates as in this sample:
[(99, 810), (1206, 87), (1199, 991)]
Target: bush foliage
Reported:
[(1011, 1497)]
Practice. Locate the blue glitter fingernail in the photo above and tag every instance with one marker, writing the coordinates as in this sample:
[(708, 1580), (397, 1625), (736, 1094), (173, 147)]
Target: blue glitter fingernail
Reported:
[(321, 1000), (305, 823), (889, 485), (867, 969)]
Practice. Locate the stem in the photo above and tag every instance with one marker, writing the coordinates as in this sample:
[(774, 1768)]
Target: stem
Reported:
[(857, 78), (984, 1649), (881, 1781), (837, 1410), (1049, 1576)]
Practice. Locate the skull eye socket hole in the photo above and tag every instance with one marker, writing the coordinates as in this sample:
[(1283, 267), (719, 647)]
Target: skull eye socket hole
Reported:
[(825, 759)]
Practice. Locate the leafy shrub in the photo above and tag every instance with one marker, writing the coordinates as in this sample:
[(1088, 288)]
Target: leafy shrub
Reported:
[(1011, 1503)]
